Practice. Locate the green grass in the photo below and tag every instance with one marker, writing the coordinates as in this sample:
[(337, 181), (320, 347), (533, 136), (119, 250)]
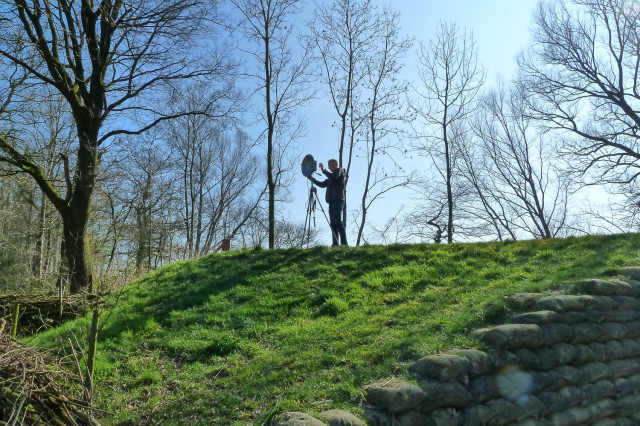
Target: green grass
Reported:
[(240, 337)]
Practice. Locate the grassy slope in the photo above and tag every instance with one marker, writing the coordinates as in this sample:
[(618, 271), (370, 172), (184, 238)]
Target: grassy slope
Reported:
[(237, 338)]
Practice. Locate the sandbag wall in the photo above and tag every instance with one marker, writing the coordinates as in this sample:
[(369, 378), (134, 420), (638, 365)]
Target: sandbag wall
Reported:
[(563, 359)]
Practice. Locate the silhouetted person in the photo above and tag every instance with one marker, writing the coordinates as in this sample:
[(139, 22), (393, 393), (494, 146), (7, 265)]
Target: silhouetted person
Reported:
[(335, 197)]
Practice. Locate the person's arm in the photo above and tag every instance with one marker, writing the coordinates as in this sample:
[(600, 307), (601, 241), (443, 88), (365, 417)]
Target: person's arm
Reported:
[(322, 184), (335, 176)]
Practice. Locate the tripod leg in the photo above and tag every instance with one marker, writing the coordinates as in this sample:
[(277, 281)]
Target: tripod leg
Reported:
[(325, 216), (311, 207)]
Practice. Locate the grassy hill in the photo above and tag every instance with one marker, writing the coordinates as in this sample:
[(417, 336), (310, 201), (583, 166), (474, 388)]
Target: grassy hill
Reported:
[(240, 337)]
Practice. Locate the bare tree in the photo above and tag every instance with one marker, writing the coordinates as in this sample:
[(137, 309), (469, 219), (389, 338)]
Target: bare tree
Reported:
[(217, 173), (138, 193), (40, 116), (383, 111), (428, 220), (19, 221), (488, 211), (52, 135), (450, 78), (108, 61), (178, 191), (581, 78), (282, 81), (522, 187), (344, 34), (15, 217), (608, 216)]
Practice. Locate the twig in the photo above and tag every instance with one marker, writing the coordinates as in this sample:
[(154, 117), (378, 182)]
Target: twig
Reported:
[(75, 359)]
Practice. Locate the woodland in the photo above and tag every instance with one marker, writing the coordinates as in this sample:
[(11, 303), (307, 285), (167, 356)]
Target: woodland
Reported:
[(135, 134)]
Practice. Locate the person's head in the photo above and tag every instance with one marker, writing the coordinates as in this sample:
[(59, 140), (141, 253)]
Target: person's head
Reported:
[(332, 164)]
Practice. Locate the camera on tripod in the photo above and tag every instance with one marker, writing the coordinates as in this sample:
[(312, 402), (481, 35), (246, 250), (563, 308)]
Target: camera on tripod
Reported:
[(309, 165)]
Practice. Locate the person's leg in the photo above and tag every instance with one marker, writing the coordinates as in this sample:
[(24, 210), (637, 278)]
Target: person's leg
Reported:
[(343, 234), (334, 220), (339, 225)]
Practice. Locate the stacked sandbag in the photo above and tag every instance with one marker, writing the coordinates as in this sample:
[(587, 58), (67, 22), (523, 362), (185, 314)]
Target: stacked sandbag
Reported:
[(564, 359)]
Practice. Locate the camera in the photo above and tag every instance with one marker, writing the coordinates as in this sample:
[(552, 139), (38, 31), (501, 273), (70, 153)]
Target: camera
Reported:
[(309, 165)]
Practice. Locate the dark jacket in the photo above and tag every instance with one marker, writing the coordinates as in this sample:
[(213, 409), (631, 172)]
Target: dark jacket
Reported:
[(334, 184)]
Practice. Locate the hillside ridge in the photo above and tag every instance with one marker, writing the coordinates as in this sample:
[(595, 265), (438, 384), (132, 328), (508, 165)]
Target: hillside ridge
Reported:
[(242, 337)]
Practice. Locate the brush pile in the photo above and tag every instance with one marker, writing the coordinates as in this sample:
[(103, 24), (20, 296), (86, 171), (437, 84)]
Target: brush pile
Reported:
[(33, 392), (38, 312)]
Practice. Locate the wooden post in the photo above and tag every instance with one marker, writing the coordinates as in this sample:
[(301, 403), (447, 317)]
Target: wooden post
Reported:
[(60, 293), (15, 321)]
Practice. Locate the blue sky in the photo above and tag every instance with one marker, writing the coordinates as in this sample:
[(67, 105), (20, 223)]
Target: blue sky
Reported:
[(501, 29)]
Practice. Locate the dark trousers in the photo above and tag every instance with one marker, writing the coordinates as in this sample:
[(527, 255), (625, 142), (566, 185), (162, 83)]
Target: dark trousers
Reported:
[(335, 220)]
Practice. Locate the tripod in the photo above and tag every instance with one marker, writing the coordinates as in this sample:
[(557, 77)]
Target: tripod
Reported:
[(312, 202)]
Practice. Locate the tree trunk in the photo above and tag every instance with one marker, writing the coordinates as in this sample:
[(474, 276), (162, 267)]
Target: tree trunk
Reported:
[(272, 194), (75, 215), (142, 249), (368, 180), (447, 147), (449, 203), (271, 124), (78, 253), (39, 260), (143, 221)]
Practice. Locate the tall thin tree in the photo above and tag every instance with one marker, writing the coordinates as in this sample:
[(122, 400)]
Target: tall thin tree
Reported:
[(450, 78), (523, 183), (282, 78), (384, 90)]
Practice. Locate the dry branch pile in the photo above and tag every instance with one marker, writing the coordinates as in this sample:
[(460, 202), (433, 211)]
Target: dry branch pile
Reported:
[(32, 392), (38, 312)]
